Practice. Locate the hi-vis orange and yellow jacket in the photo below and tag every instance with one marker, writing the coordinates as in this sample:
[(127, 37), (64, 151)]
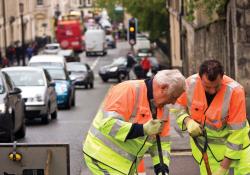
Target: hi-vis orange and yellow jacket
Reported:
[(225, 118), (107, 142)]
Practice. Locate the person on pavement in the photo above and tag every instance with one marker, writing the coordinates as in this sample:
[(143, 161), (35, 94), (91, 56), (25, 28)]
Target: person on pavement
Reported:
[(123, 129), (146, 65), (213, 111)]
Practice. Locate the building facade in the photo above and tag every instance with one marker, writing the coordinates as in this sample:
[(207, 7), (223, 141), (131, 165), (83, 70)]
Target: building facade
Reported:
[(225, 37)]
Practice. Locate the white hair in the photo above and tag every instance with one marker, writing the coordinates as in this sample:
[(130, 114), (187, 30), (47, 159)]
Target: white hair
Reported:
[(172, 77)]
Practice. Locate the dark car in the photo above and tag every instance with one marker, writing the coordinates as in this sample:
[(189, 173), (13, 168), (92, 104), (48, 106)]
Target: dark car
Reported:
[(12, 116), (69, 55), (116, 70), (81, 74)]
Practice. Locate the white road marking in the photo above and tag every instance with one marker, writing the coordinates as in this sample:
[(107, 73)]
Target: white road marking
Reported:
[(95, 63)]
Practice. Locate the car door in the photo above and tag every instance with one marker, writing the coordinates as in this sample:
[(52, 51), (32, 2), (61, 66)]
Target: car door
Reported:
[(51, 92), (15, 101)]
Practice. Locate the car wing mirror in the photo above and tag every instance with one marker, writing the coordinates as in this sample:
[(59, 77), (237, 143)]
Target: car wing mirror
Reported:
[(16, 90), (52, 84)]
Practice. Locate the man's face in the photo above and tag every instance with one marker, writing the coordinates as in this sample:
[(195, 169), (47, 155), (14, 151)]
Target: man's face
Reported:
[(167, 96), (211, 87)]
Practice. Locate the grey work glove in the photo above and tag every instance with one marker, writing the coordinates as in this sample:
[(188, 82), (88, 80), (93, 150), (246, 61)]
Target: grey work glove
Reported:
[(153, 127), (193, 128)]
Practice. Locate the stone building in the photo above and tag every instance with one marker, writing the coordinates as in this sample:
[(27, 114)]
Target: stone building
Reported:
[(224, 36), (38, 19)]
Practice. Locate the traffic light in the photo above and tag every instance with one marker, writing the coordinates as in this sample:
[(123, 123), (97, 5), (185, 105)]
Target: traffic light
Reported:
[(132, 30)]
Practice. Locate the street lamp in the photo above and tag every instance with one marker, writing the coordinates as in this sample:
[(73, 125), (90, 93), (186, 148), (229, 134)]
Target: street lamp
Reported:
[(21, 8)]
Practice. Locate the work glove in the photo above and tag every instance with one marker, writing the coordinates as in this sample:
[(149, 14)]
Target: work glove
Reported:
[(220, 171), (158, 169), (193, 128), (153, 127)]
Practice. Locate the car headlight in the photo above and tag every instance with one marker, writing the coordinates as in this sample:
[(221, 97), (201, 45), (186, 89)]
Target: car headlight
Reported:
[(39, 98), (113, 69), (2, 108)]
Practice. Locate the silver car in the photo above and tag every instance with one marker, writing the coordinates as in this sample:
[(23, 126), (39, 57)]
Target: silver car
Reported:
[(38, 91)]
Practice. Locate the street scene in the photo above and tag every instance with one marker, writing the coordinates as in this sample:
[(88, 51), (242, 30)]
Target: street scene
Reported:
[(124, 87)]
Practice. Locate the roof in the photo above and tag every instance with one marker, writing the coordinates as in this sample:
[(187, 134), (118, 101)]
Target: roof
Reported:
[(22, 68), (47, 58)]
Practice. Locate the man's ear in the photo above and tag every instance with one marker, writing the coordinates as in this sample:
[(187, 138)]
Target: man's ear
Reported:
[(164, 87)]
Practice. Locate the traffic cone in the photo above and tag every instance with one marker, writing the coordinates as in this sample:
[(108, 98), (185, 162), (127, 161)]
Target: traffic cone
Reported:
[(141, 168)]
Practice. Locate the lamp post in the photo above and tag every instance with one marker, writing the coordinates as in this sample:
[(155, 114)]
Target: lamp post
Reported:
[(21, 8)]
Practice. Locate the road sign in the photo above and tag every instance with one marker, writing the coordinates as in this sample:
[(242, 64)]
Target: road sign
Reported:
[(34, 159)]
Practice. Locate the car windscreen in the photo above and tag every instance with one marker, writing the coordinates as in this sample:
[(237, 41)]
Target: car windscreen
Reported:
[(51, 47), (2, 90), (43, 64), (57, 74), (76, 68), (27, 78), (119, 61)]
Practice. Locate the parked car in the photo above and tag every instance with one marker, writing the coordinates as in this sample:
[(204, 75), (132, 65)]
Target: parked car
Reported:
[(12, 117), (52, 48), (65, 89), (110, 41), (81, 74), (116, 70), (47, 60), (38, 91), (69, 55)]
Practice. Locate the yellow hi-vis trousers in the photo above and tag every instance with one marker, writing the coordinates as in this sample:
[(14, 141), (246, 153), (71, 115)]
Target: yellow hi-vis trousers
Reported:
[(238, 167)]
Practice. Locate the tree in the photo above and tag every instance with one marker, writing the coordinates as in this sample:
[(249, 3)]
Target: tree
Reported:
[(152, 15)]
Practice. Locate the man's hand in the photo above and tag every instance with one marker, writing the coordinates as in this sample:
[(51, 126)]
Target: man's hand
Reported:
[(220, 171), (193, 127), (153, 127)]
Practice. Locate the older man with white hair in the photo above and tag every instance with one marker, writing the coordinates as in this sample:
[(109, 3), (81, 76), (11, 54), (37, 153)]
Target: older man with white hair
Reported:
[(124, 128)]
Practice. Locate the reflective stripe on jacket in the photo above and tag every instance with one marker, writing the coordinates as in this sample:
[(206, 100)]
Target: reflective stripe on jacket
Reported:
[(225, 119), (106, 142)]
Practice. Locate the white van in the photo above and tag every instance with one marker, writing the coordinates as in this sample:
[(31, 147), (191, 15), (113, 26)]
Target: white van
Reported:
[(47, 60), (95, 42)]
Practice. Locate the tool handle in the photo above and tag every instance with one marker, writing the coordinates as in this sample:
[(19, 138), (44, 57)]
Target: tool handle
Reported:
[(158, 139)]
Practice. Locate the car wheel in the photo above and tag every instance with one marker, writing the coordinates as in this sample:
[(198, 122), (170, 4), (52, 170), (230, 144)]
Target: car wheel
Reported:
[(104, 79), (68, 105), (45, 118), (73, 102), (22, 131), (54, 114), (121, 77)]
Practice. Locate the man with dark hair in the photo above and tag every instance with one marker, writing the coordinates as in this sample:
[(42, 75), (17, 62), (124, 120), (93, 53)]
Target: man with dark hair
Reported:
[(213, 111)]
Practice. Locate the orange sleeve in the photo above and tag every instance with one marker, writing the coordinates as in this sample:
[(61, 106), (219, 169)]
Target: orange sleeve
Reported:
[(182, 100), (237, 108), (121, 100)]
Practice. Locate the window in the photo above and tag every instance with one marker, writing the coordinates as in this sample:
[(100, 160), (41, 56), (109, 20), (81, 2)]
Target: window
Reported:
[(39, 2)]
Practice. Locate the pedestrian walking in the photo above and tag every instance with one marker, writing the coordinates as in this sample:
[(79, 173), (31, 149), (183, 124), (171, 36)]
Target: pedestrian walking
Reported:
[(18, 52), (29, 51), (213, 111), (124, 128), (146, 65), (130, 64)]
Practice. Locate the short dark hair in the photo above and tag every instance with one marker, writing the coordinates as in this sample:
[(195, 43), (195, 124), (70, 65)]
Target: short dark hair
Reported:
[(212, 68)]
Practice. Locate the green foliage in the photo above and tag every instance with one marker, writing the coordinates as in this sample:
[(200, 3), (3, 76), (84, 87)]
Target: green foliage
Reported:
[(152, 15), (209, 6)]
